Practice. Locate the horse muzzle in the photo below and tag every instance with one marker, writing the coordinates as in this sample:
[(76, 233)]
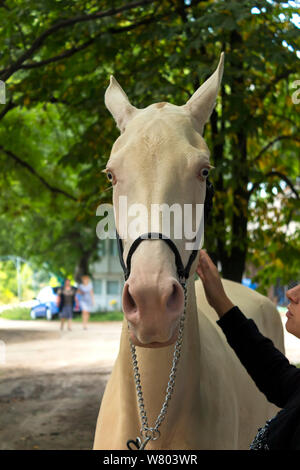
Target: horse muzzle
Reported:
[(153, 313)]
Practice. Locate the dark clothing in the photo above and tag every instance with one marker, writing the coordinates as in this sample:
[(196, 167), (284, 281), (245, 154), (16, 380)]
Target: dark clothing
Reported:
[(66, 312), (67, 297), (273, 375)]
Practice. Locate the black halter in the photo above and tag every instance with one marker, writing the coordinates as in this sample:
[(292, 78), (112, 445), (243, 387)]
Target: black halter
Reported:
[(183, 272)]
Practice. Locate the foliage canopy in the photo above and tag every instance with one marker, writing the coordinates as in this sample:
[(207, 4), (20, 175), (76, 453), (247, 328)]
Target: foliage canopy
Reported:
[(56, 135)]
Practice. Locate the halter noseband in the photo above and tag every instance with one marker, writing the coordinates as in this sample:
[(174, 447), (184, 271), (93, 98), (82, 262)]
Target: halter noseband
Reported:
[(183, 272)]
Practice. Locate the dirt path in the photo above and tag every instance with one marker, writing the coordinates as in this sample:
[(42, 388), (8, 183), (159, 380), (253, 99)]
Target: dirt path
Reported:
[(51, 384)]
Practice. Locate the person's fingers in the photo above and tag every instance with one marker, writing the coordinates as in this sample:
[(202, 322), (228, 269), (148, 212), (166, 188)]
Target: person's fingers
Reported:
[(203, 257), (205, 263), (208, 264), (200, 272), (206, 259), (201, 264)]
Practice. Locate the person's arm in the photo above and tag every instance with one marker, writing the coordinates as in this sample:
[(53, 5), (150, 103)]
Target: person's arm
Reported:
[(268, 367), (58, 299), (75, 301)]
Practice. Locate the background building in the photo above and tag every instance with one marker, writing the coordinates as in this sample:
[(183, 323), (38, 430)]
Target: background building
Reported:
[(108, 278)]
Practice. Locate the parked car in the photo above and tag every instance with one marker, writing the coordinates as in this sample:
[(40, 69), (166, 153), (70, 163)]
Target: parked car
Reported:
[(248, 283), (47, 304)]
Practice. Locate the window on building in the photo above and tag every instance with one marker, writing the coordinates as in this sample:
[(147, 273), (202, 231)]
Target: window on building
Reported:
[(113, 247), (97, 284), (101, 248), (112, 287)]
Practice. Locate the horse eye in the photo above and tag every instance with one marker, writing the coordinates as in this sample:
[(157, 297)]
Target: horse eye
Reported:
[(204, 172), (109, 175)]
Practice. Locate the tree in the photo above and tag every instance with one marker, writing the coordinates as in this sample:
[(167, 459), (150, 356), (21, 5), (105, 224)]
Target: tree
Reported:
[(55, 134)]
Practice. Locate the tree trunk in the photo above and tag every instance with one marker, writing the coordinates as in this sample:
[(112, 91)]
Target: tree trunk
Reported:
[(82, 266), (232, 257)]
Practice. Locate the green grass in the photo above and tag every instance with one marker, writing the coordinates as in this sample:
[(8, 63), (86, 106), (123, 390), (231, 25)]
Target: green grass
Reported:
[(102, 316), (16, 313), (23, 313)]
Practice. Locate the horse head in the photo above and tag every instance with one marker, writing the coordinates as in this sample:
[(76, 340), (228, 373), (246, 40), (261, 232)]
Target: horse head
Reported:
[(159, 160)]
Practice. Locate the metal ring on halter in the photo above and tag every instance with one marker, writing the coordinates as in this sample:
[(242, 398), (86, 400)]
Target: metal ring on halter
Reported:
[(152, 433)]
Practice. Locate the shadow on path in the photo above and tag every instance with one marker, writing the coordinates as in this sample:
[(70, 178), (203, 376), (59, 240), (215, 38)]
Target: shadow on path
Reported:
[(50, 410)]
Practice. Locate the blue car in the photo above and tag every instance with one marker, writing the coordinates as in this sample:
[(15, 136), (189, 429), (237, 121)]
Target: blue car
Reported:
[(47, 304), (248, 283)]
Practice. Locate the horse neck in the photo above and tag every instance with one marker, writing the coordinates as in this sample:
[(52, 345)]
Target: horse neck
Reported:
[(155, 366)]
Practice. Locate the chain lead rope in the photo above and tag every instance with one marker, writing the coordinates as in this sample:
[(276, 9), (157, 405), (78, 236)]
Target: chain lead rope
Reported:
[(153, 433)]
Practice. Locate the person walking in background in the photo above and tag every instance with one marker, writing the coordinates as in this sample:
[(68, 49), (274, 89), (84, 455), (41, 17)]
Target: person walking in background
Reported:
[(86, 299), (269, 368), (65, 302)]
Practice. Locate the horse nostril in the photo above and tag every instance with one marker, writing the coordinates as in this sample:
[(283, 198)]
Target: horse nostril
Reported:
[(128, 300), (174, 298), (131, 300)]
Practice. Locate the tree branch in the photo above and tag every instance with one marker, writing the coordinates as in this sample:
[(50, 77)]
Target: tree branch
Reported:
[(34, 172), (287, 119), (272, 83), (274, 173), (10, 105), (3, 5), (6, 73), (74, 50), (281, 137)]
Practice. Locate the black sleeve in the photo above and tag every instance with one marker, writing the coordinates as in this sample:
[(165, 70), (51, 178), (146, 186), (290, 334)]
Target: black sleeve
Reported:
[(295, 444), (268, 367)]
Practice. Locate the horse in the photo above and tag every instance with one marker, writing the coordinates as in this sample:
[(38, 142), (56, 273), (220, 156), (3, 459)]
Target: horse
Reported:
[(161, 157)]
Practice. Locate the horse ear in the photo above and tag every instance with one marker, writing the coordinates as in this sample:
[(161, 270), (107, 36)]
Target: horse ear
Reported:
[(118, 104), (203, 101)]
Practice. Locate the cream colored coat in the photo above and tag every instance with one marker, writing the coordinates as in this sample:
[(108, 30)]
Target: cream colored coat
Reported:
[(215, 404)]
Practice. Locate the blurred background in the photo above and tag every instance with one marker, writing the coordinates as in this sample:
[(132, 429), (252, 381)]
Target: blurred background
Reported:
[(56, 134)]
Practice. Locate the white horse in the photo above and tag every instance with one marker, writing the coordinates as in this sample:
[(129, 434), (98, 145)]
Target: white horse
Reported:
[(161, 157)]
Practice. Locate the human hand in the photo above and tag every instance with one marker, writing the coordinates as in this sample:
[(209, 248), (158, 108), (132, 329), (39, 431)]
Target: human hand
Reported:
[(212, 284)]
